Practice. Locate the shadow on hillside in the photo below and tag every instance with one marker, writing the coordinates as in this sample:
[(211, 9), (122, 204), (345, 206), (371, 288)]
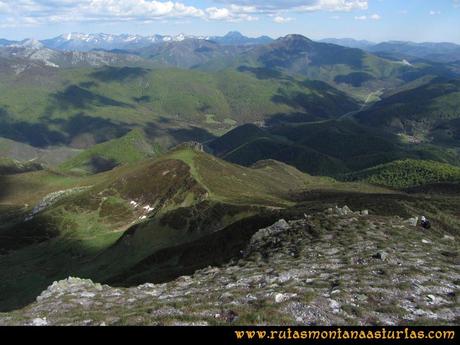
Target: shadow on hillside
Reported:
[(4, 187), (286, 118), (99, 128), (262, 73), (177, 135), (76, 97), (40, 134), (355, 79), (35, 134), (307, 103), (142, 99), (100, 164), (328, 54), (108, 74)]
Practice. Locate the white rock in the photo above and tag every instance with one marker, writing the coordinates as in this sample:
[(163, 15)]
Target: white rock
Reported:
[(335, 306), (39, 322), (343, 211), (283, 297), (412, 221)]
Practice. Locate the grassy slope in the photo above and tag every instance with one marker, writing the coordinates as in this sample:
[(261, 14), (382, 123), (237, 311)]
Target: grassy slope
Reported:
[(321, 148), (329, 63), (74, 235), (96, 233), (129, 149), (416, 109), (108, 102), (407, 173)]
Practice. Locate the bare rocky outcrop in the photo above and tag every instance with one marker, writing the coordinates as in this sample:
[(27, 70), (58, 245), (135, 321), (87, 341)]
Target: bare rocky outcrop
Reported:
[(194, 145), (328, 268)]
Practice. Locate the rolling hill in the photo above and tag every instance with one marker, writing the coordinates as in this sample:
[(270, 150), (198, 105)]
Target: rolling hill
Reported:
[(79, 107), (157, 219), (428, 113), (82, 225), (407, 174), (330, 147), (128, 149)]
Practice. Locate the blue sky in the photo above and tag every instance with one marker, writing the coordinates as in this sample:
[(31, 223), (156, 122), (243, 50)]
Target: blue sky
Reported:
[(375, 20)]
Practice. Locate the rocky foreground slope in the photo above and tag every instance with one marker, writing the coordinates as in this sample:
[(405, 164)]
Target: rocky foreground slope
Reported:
[(333, 267)]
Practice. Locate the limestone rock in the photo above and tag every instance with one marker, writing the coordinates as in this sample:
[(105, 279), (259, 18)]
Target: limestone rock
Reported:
[(412, 221), (344, 211)]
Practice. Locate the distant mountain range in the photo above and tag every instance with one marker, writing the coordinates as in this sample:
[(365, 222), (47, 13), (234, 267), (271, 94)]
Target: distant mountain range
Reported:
[(100, 41), (198, 83), (434, 51), (399, 50), (438, 52), (349, 42)]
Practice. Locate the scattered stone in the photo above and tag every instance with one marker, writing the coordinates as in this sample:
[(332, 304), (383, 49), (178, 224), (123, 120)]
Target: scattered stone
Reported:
[(344, 211), (412, 221), (339, 277), (334, 305), (283, 297), (364, 212), (381, 256)]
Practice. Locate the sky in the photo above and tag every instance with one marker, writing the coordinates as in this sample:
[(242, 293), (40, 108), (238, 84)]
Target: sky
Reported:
[(374, 20)]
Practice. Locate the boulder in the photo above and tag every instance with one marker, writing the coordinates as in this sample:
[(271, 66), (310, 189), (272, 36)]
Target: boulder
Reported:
[(412, 221), (263, 234), (344, 211), (283, 297)]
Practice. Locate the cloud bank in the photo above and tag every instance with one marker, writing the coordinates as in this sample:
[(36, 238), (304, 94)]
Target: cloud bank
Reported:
[(36, 12)]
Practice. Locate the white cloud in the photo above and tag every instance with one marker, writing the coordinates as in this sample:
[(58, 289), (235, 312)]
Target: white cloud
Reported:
[(282, 20), (335, 5), (62, 11), (370, 17), (302, 5), (434, 13), (233, 14), (55, 11)]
